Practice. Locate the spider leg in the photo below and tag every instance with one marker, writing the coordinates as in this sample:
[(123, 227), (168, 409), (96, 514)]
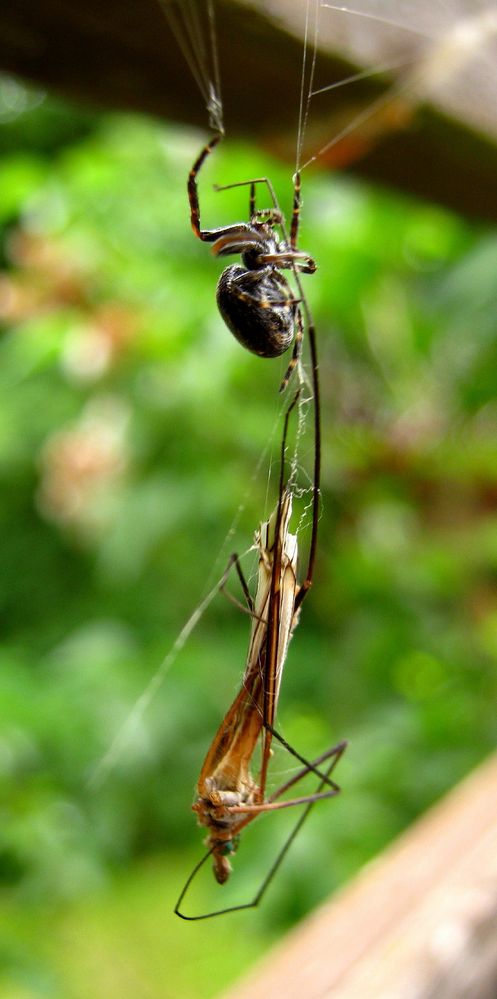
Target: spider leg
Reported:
[(294, 226), (228, 233), (235, 561), (254, 278), (247, 278), (249, 607), (252, 183), (252, 211), (238, 238), (311, 336), (297, 350), (205, 234)]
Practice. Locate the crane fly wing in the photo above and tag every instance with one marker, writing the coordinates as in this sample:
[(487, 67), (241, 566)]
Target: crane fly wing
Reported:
[(275, 601)]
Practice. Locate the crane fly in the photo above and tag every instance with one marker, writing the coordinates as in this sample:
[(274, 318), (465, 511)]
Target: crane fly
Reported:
[(229, 797), (228, 794)]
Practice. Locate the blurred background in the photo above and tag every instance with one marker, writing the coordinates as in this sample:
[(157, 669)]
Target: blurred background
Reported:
[(131, 431)]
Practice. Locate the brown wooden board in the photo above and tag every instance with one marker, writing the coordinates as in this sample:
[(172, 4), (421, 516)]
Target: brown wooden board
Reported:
[(420, 922), (122, 55)]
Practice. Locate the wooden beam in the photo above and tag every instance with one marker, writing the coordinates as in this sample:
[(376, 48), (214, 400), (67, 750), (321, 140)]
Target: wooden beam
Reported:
[(420, 922), (121, 54)]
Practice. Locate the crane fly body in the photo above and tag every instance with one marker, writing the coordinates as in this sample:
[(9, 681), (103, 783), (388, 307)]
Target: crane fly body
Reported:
[(229, 796)]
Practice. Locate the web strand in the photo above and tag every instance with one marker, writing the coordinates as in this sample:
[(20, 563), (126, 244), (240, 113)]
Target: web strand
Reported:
[(203, 60), (387, 21), (306, 87)]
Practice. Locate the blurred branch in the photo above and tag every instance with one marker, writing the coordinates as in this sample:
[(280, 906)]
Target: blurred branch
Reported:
[(121, 54)]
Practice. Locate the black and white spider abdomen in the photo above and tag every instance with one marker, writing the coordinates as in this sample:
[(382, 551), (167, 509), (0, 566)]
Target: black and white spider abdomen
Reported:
[(258, 307)]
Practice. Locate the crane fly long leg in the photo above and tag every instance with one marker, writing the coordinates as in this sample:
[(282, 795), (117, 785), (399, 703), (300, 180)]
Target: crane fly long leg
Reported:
[(272, 804), (336, 752), (308, 766)]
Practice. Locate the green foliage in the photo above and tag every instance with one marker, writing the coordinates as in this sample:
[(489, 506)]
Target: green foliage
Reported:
[(131, 426)]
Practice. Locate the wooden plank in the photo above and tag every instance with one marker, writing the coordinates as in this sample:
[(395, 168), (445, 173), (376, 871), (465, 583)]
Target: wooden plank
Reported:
[(420, 922), (433, 151)]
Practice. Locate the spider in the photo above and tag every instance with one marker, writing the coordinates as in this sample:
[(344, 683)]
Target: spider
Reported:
[(255, 299)]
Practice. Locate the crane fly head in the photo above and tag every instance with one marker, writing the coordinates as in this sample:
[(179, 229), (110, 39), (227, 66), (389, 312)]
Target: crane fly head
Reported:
[(222, 850)]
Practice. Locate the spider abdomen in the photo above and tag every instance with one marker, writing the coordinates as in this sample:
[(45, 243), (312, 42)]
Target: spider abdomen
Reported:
[(258, 307)]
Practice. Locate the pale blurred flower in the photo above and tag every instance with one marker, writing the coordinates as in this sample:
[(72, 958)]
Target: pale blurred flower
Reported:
[(82, 465)]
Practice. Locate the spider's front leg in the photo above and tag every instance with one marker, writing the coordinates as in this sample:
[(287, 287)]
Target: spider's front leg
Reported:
[(230, 235), (208, 235)]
